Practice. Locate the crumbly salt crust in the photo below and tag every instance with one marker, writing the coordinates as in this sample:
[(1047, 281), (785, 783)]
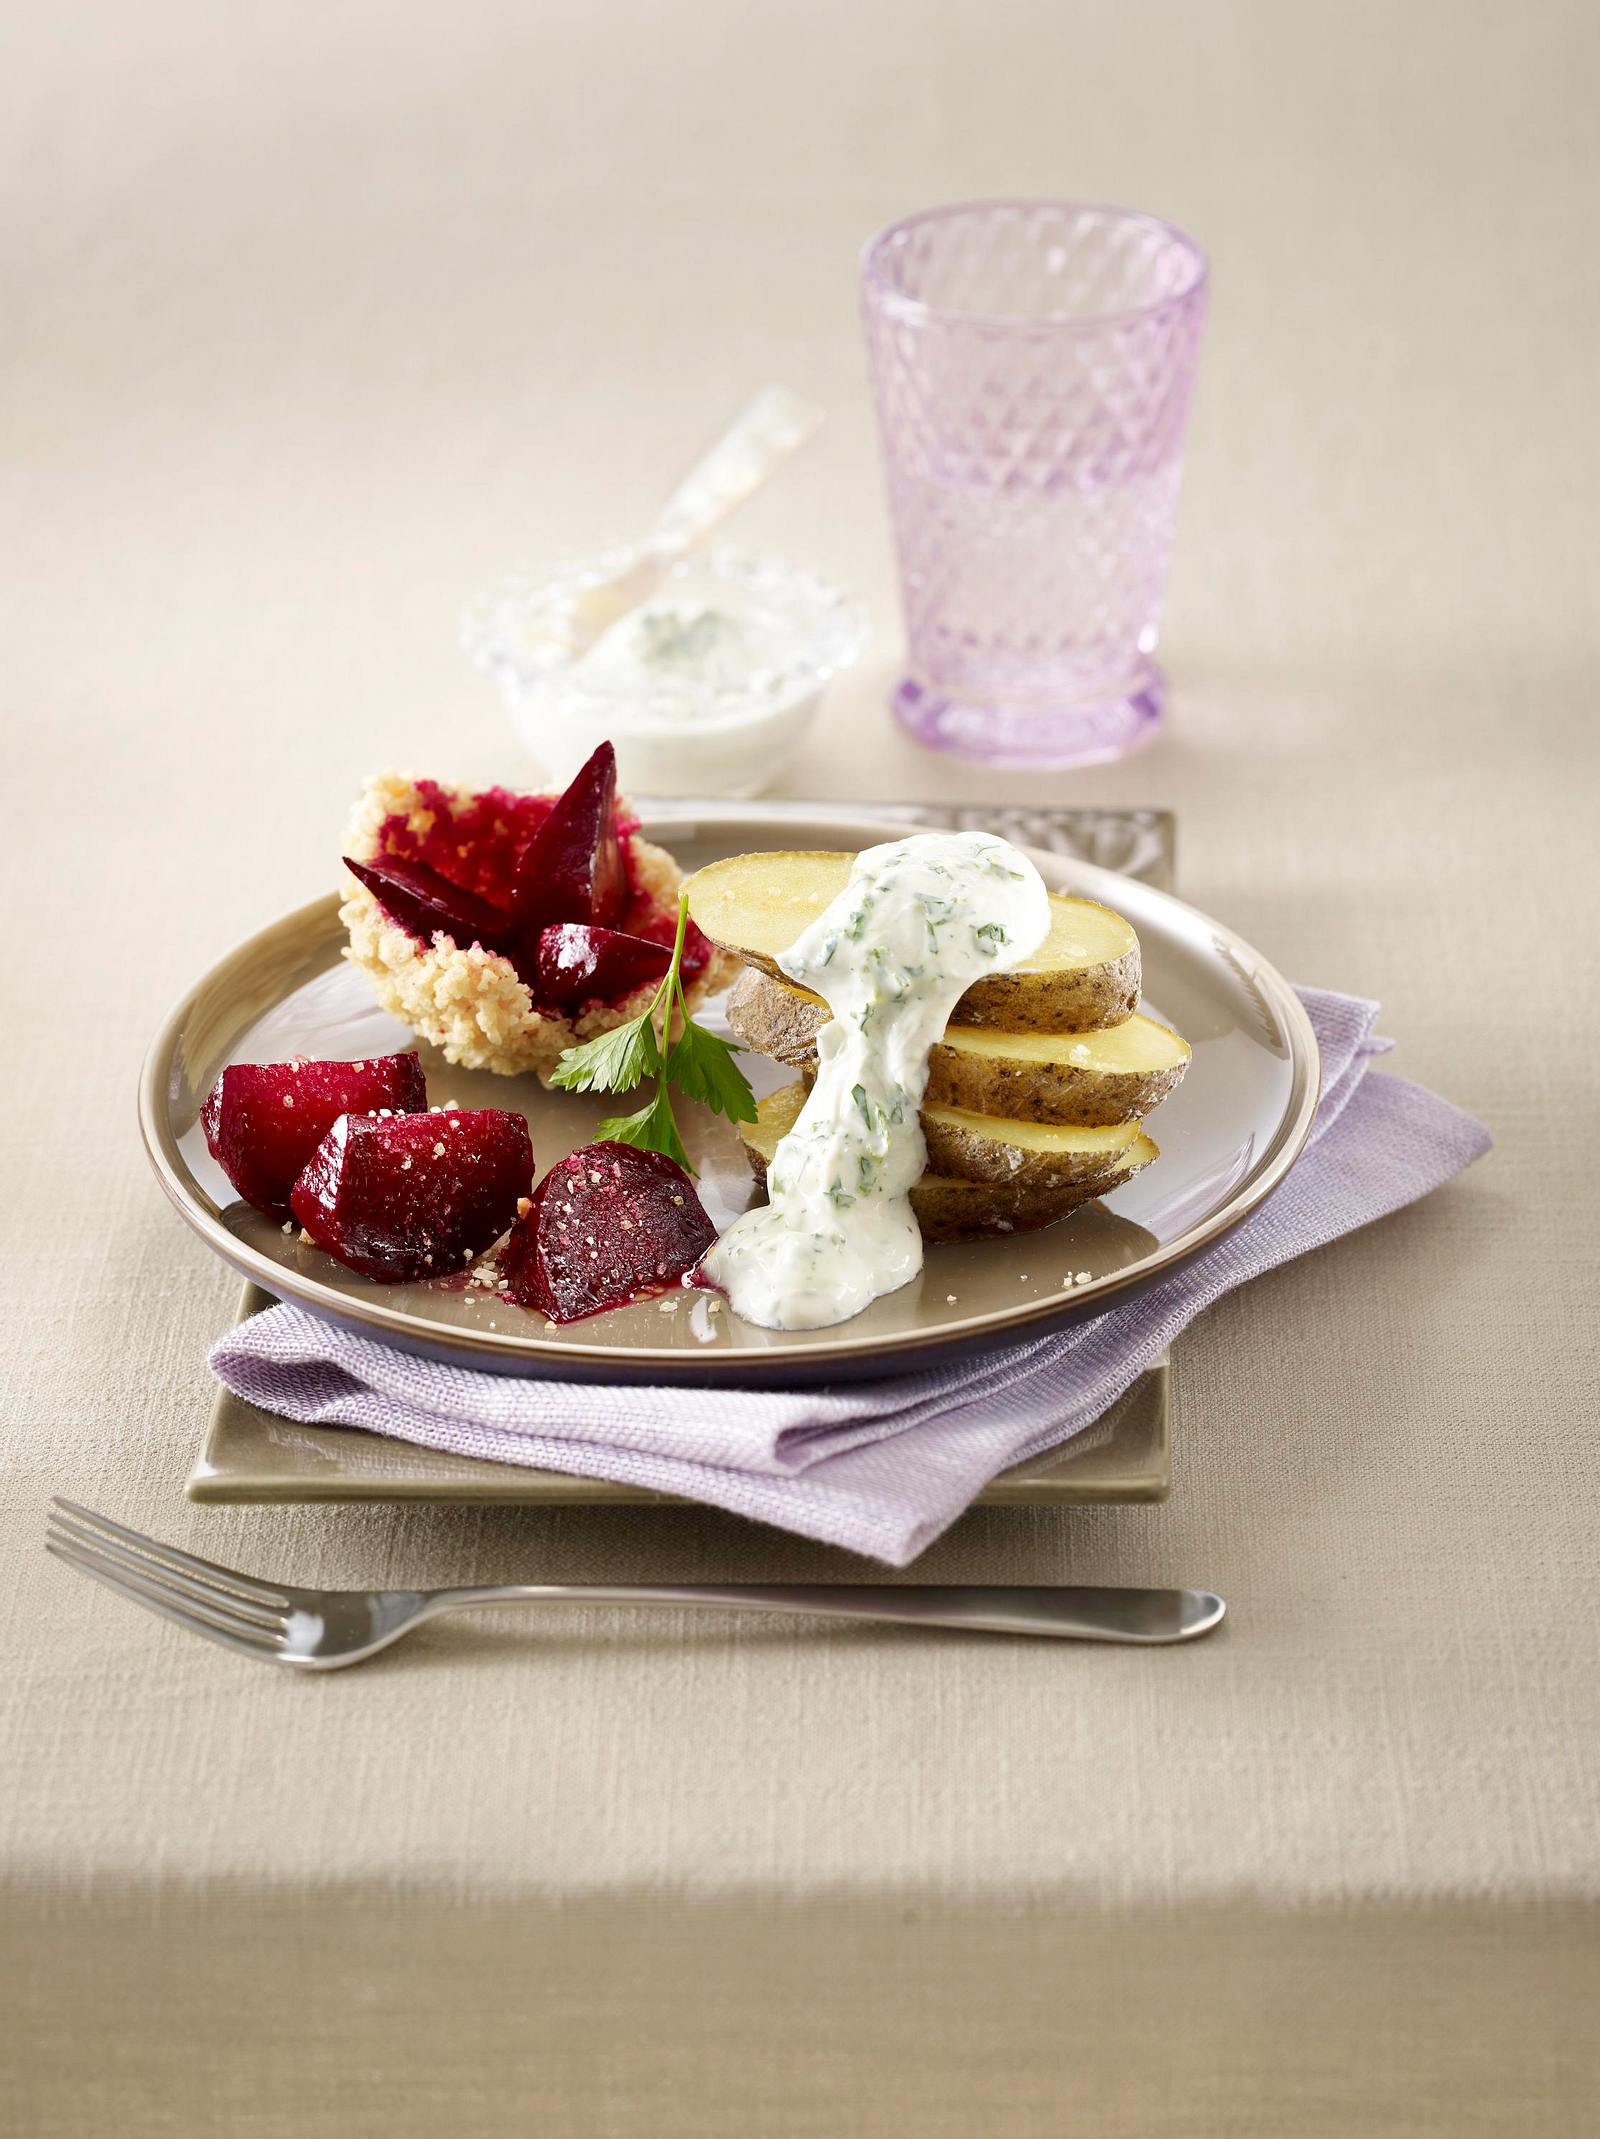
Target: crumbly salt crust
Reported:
[(471, 1004)]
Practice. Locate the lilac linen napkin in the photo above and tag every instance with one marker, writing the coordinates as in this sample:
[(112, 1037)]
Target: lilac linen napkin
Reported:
[(883, 1467)]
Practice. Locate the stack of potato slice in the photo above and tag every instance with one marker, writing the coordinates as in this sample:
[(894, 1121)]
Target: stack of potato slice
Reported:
[(1037, 1092)]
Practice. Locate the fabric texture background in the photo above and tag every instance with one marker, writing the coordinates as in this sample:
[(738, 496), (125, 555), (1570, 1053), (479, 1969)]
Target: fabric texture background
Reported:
[(884, 1468), (317, 320)]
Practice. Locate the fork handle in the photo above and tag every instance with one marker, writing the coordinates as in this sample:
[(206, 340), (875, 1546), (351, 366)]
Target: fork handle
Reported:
[(1100, 1614)]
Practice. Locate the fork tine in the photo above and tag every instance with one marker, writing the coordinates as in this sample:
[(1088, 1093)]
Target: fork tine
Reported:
[(159, 1575), (262, 1592), (240, 1635)]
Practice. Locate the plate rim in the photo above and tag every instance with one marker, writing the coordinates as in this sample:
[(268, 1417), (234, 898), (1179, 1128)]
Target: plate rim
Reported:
[(530, 1354)]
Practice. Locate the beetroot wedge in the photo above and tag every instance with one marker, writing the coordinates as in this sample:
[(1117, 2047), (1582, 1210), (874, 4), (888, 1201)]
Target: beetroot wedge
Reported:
[(661, 927), (426, 903), (413, 1196), (605, 1225), (572, 868), (263, 1120), (578, 963)]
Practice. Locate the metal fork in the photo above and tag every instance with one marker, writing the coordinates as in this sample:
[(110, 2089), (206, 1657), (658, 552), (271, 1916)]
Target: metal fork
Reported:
[(325, 1629)]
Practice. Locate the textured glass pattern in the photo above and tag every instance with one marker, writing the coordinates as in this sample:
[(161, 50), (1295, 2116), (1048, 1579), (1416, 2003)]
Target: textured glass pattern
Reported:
[(1033, 365)]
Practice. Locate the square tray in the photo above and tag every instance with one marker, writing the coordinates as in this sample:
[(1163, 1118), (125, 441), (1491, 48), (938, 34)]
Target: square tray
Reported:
[(253, 1455)]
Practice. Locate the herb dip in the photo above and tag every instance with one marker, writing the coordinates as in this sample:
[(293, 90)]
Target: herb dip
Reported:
[(919, 921)]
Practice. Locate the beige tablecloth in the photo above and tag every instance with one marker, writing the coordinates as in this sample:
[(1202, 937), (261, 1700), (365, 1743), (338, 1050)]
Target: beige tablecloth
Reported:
[(314, 318)]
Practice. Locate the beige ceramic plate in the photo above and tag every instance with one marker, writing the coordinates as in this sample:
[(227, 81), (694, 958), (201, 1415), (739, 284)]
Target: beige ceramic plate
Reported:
[(1227, 1138)]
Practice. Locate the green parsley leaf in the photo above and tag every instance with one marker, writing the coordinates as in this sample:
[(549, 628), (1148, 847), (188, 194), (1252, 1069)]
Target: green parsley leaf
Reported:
[(651, 1129), (701, 1065), (614, 1062)]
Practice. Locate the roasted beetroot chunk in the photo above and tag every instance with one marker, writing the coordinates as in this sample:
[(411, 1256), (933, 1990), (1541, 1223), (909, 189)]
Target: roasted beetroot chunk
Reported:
[(605, 1225), (426, 903), (263, 1120), (580, 964), (568, 963), (572, 869), (414, 1195), (662, 927)]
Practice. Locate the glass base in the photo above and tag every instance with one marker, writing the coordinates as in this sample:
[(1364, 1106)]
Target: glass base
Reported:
[(1086, 732)]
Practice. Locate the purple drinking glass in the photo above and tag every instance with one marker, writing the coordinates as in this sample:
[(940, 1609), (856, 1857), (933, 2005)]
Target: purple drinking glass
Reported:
[(1033, 363)]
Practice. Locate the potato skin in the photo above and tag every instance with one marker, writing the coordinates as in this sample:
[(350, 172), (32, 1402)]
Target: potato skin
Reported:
[(775, 1021), (955, 1210), (1053, 1092), (966, 1154), (1080, 1000), (950, 1211)]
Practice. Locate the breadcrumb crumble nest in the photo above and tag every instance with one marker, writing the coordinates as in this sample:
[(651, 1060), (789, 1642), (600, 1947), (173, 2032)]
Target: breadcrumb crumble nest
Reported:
[(471, 1003)]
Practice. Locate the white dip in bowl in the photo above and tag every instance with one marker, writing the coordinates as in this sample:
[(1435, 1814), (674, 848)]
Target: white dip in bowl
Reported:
[(705, 690)]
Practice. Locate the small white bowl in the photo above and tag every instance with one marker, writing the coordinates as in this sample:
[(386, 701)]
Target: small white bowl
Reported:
[(684, 736)]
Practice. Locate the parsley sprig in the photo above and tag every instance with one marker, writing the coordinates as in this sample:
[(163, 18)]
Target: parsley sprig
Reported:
[(698, 1062)]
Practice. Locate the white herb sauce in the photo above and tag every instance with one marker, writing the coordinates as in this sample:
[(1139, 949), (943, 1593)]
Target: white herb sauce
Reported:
[(678, 655), (919, 921)]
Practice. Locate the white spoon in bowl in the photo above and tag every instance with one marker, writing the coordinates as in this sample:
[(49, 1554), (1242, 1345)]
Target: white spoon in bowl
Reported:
[(773, 426)]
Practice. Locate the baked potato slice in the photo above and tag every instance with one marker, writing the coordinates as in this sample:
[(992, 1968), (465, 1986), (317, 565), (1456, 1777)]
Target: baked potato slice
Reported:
[(948, 1209), (1083, 976), (1118, 1073)]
